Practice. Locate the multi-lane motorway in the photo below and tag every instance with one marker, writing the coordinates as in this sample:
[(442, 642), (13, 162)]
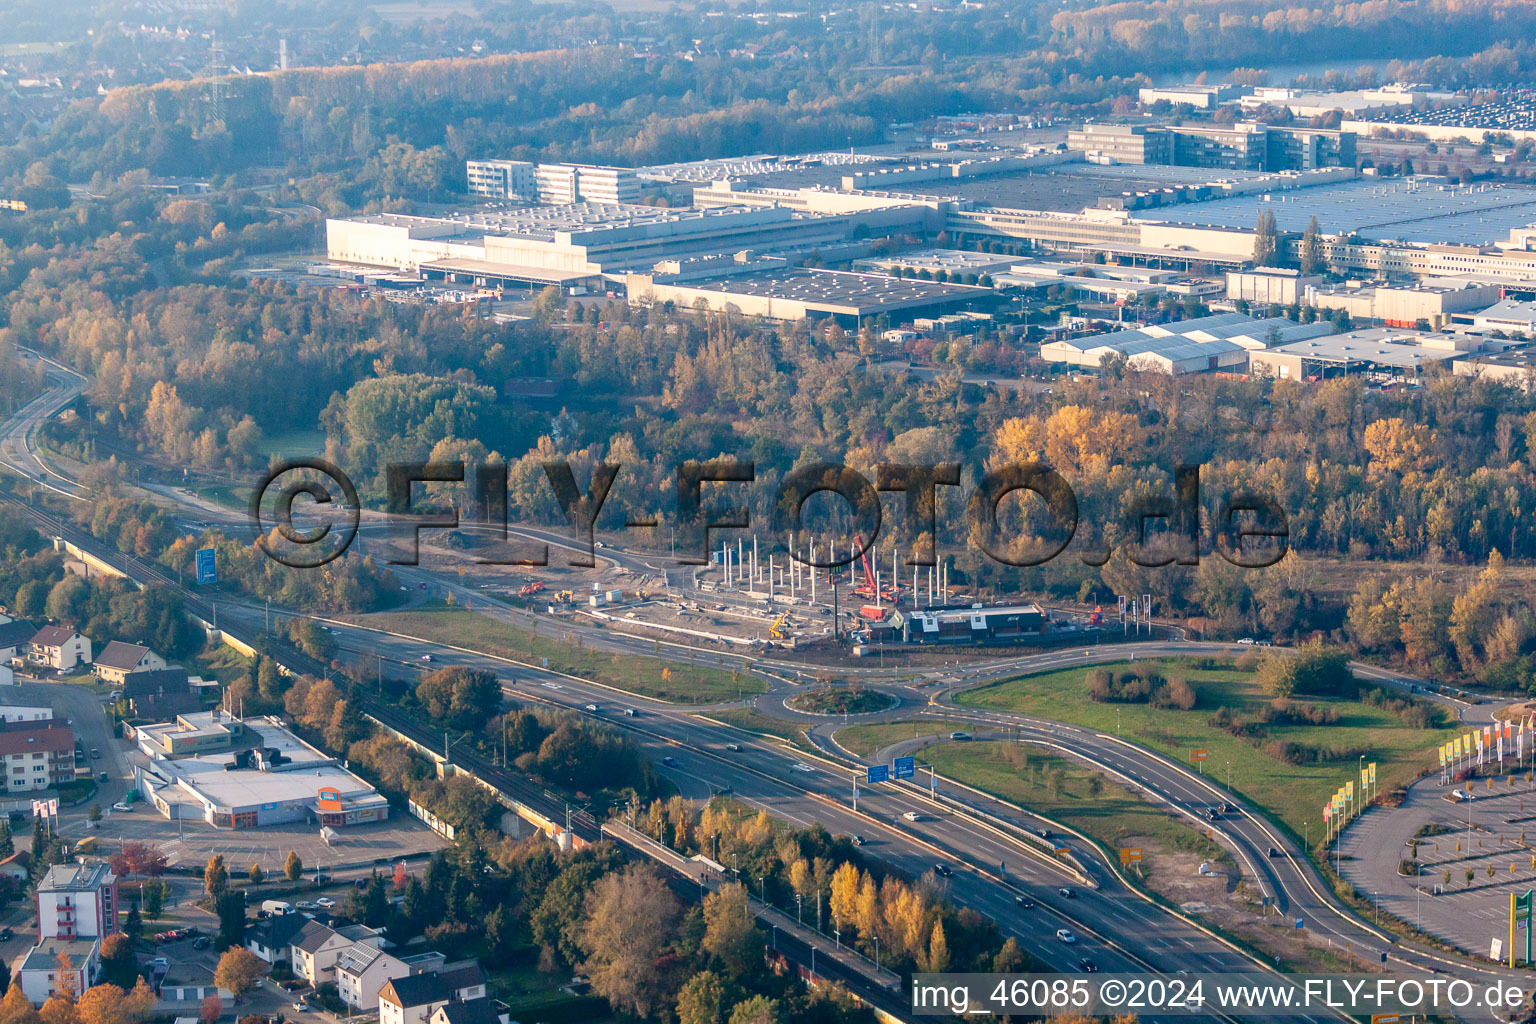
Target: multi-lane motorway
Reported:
[(995, 864)]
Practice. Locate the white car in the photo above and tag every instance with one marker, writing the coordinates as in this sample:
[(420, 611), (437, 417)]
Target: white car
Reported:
[(120, 806), (801, 766), (325, 903), (1065, 935), (913, 816), (593, 708), (1247, 641)]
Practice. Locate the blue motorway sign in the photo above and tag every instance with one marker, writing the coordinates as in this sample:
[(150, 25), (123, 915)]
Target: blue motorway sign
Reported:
[(879, 773), (207, 566), (905, 767)]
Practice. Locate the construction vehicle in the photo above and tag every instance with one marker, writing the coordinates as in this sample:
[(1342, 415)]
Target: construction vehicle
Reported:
[(1097, 616), (777, 629), (867, 587), (565, 597), (529, 589)]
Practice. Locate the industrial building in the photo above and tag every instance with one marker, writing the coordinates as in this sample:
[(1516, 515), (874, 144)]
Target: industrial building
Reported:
[(1202, 97), (950, 262), (1417, 304), (847, 297), (1221, 342), (1241, 147), (972, 625), (253, 773), (556, 184), (1382, 352), (570, 245), (1270, 286)]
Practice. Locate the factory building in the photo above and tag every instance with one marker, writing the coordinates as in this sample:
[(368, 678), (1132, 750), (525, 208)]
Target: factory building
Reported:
[(1221, 342), (850, 298), (1382, 353), (1412, 305), (1270, 286), (1242, 147)]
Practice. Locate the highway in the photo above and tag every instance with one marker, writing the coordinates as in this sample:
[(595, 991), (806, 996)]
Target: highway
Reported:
[(993, 864)]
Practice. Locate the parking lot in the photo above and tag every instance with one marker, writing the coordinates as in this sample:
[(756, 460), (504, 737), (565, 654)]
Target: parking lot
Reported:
[(1501, 836), (195, 841)]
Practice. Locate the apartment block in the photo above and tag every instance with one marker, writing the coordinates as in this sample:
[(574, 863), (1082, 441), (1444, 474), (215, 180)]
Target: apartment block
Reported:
[(77, 901)]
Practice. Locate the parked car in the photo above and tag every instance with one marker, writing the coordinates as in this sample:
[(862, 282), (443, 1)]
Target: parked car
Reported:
[(325, 903), (202, 942), (120, 806)]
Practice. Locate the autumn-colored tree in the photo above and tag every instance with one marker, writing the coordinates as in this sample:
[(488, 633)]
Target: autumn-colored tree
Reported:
[(238, 971), (211, 1009), (215, 876), (938, 949), (845, 893), (1396, 445), (730, 932)]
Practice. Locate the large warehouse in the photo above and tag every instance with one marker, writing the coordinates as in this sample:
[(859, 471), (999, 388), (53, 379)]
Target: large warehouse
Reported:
[(1383, 352), (793, 294), (265, 775), (1220, 342)]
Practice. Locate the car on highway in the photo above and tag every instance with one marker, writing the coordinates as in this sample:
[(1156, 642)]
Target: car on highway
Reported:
[(1088, 966), (1024, 902), (960, 737), (120, 806), (1273, 852), (801, 766), (1247, 641), (669, 761), (1065, 935), (734, 748), (594, 708), (1065, 892), (426, 657), (630, 712), (942, 870), (912, 816)]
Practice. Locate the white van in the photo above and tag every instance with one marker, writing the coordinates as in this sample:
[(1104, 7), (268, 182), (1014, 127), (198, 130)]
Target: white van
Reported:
[(276, 907)]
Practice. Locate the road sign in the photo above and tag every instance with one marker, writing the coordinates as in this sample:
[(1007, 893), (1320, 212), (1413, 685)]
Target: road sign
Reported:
[(904, 767), (1199, 755), (879, 773), (1385, 1018), (207, 564), (1130, 856), (1298, 924)]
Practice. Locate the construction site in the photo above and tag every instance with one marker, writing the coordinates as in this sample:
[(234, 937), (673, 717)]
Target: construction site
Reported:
[(747, 599)]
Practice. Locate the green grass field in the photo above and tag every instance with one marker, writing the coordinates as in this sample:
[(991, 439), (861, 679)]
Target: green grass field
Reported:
[(865, 740), (753, 720), (1057, 788), (1292, 793), (650, 677)]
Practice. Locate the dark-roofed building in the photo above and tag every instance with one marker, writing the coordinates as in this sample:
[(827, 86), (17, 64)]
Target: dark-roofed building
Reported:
[(59, 647), (411, 999), (271, 939), (160, 694), (471, 1011), (118, 660), (13, 638), (464, 979)]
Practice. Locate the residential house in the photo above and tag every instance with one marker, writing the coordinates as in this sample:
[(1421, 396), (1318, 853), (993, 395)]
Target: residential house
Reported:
[(35, 756), (361, 971), (471, 1011), (161, 694), (17, 867), (465, 980), (62, 648), (59, 965), (14, 635), (316, 949), (118, 660), (77, 901), (411, 999), (271, 938)]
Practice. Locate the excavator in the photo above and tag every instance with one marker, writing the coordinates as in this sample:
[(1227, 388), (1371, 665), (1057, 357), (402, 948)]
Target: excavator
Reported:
[(777, 629), (529, 589)]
